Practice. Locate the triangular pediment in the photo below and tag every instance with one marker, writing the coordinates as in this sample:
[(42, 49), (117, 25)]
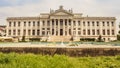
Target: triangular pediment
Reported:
[(62, 13)]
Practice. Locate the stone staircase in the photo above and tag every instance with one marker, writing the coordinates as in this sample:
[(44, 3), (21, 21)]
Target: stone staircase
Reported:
[(59, 38)]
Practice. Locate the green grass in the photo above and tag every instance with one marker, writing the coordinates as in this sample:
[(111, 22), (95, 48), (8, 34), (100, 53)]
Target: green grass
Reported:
[(14, 60)]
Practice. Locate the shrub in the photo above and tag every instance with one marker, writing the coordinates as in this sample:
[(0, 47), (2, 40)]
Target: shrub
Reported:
[(87, 39)]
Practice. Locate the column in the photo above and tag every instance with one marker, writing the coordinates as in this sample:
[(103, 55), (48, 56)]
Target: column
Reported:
[(58, 27), (54, 27), (63, 27)]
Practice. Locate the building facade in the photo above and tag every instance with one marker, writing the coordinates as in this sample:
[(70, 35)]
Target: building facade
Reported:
[(62, 25)]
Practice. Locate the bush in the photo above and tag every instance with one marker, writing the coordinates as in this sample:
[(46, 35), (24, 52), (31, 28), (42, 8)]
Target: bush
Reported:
[(35, 39), (87, 39)]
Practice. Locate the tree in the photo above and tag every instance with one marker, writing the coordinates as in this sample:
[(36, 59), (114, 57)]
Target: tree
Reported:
[(118, 37), (100, 38), (23, 38), (119, 32), (71, 39)]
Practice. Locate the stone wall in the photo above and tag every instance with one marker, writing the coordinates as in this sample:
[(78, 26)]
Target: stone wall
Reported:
[(74, 52)]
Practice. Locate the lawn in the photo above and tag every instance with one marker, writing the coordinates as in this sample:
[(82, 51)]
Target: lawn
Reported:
[(15, 60)]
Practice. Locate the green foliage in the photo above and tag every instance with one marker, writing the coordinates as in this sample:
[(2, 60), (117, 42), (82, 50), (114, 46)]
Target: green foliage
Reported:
[(23, 38), (87, 39), (100, 39), (118, 37), (35, 39), (14, 60)]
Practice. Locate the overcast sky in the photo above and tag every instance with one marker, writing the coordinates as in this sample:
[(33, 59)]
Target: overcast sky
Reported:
[(18, 8)]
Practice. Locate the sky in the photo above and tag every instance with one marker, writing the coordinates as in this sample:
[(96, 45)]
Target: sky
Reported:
[(96, 8)]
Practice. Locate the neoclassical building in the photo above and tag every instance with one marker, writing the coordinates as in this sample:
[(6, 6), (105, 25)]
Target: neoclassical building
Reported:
[(61, 25)]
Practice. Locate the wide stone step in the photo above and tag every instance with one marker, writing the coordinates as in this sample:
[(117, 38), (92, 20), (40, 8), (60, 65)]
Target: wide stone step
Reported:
[(59, 38)]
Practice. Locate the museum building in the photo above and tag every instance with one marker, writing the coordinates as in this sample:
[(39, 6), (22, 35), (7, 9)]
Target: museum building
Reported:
[(61, 25)]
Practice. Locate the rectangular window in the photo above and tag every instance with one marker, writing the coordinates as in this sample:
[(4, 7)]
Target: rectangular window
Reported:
[(14, 24), (18, 32), (107, 23), (9, 32), (14, 32), (48, 23), (29, 32), (103, 23), (33, 23), (79, 33), (24, 32), (84, 32), (33, 32), (113, 32), (97, 23), (108, 32), (24, 23), (93, 23), (74, 23), (103, 32), (93, 31), (10, 24), (43, 23), (88, 32), (38, 32), (88, 23), (29, 23), (98, 32), (38, 23), (19, 24), (83, 23), (78, 23), (112, 23)]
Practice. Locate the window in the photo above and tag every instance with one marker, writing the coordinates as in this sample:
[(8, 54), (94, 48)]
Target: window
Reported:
[(113, 32), (29, 32), (52, 31), (14, 32), (18, 32), (103, 23), (43, 28), (70, 22), (38, 23), (78, 23), (61, 21), (93, 23), (70, 31), (43, 23), (79, 29), (103, 32), (112, 23), (88, 31), (79, 33), (48, 28), (84, 23), (43, 32), (97, 23), (24, 32), (98, 32), (108, 32), (48, 23), (9, 24), (74, 29), (74, 23), (9, 32), (14, 24), (33, 32), (29, 23), (38, 32), (107, 23), (24, 23), (93, 32), (19, 24), (88, 23), (56, 21), (84, 32), (65, 21), (33, 23), (52, 21)]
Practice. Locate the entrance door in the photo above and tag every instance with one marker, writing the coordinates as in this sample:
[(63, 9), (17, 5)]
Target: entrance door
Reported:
[(61, 32)]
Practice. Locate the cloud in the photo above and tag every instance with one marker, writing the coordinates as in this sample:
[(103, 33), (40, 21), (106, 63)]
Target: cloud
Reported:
[(11, 8)]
